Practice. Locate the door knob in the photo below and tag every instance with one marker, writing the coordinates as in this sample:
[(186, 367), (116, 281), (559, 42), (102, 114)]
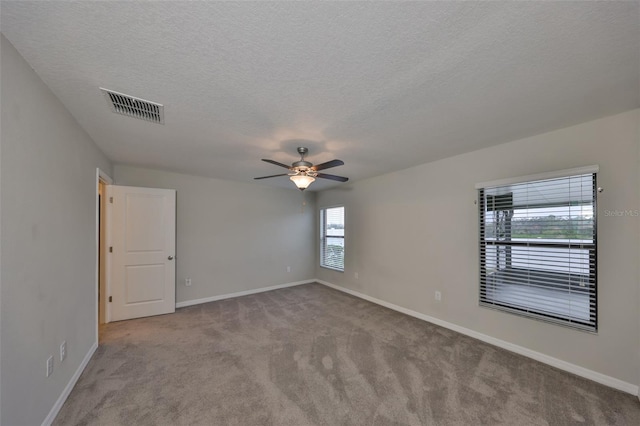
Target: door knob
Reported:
[(170, 257)]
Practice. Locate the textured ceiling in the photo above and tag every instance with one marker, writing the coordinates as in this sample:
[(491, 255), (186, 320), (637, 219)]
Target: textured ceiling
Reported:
[(382, 86)]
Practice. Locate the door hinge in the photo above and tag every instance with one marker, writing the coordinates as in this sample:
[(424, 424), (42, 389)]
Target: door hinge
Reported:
[(110, 249), (110, 299), (111, 200)]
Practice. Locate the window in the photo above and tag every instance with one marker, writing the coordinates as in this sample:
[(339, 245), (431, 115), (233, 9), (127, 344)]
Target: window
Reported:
[(538, 248), (332, 238)]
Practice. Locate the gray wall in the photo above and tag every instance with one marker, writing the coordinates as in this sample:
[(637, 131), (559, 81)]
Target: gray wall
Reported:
[(415, 231), (234, 236), (48, 294), (2, 41)]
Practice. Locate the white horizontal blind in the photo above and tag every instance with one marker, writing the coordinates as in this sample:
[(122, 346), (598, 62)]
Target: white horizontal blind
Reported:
[(332, 238), (538, 249)]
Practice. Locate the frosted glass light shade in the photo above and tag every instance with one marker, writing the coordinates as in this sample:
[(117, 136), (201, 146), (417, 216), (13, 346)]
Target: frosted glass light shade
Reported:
[(302, 181)]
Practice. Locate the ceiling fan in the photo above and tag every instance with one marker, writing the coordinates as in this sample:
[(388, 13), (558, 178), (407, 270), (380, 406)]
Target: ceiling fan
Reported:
[(303, 173)]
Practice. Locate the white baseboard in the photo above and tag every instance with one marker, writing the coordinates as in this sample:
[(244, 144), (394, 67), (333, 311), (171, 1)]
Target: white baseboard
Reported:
[(538, 356), (67, 390), (240, 293)]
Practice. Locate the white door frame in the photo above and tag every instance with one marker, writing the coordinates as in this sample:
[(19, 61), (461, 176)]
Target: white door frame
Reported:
[(101, 175)]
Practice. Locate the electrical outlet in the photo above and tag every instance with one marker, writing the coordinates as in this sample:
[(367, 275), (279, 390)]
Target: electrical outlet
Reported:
[(438, 296), (356, 276), (49, 365), (187, 282), (63, 350), (288, 268)]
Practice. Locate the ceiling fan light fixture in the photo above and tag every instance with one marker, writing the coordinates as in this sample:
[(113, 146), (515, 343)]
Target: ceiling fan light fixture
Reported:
[(304, 173), (302, 181)]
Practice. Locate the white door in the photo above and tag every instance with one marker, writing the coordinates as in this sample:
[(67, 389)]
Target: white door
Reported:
[(143, 240)]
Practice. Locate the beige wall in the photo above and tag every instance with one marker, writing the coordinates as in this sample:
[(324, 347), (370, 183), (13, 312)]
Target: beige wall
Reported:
[(48, 197), (415, 231), (233, 236)]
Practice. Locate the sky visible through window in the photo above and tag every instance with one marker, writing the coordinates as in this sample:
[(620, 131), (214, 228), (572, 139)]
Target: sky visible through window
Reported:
[(585, 212), (335, 221)]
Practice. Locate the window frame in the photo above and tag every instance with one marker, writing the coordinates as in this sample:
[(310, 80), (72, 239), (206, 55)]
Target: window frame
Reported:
[(532, 310), (323, 237)]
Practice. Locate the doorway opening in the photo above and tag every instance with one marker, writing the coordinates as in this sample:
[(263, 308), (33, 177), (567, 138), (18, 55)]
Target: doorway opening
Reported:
[(135, 272)]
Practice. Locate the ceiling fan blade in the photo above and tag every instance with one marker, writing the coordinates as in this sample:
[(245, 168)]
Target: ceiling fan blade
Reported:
[(327, 165), (277, 164), (266, 177), (332, 177)]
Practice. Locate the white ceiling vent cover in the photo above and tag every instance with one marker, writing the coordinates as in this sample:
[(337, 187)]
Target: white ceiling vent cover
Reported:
[(134, 107)]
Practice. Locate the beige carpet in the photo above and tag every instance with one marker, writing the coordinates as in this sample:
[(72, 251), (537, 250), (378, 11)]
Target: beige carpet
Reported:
[(310, 355)]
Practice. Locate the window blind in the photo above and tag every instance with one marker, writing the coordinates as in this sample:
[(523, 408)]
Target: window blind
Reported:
[(538, 249), (332, 238)]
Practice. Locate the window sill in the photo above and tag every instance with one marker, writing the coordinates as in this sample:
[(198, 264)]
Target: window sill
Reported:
[(332, 269)]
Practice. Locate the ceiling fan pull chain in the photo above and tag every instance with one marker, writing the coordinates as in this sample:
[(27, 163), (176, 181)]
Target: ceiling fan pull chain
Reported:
[(304, 203)]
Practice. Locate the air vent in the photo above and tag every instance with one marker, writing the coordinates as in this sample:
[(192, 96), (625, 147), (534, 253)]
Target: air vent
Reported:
[(134, 107)]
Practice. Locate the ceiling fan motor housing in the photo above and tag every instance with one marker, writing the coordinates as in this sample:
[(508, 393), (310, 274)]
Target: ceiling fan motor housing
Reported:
[(302, 164)]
